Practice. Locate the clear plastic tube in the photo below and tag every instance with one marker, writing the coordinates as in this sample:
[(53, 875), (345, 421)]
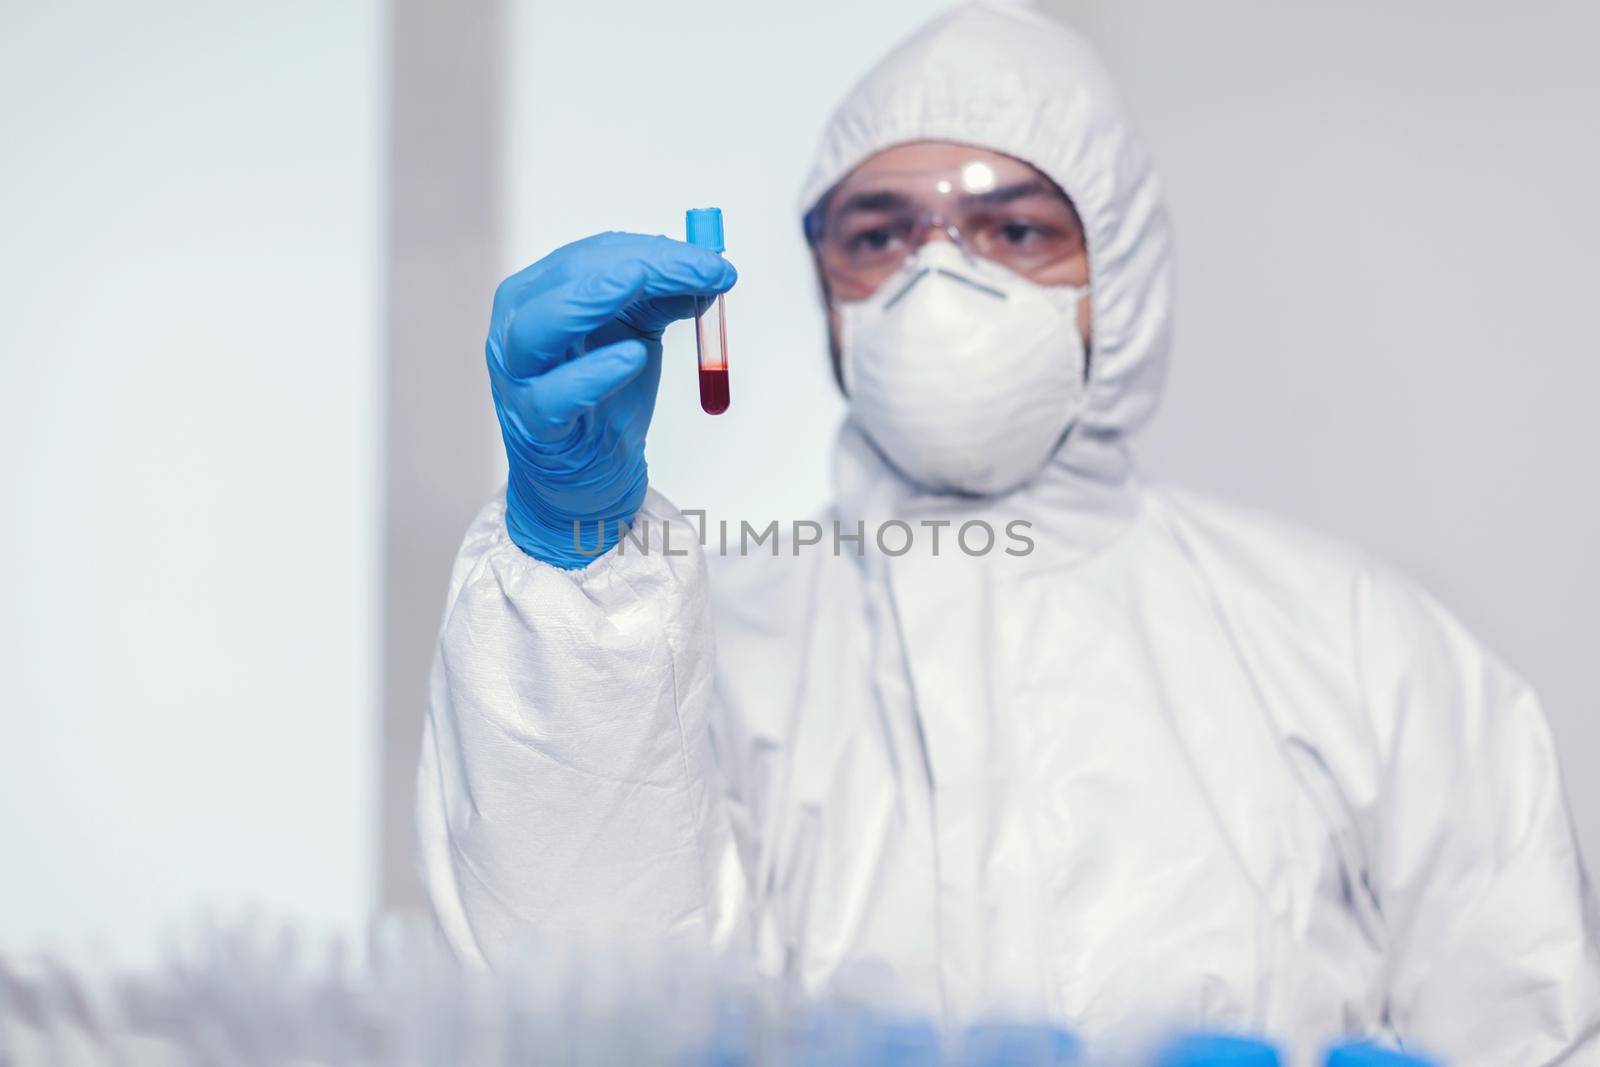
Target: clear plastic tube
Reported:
[(711, 337), (704, 228)]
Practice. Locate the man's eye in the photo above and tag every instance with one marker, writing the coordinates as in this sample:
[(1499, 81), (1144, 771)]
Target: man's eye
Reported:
[(876, 240), (1016, 233)]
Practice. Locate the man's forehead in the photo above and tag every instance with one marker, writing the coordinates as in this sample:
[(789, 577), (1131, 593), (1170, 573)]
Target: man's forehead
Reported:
[(974, 176)]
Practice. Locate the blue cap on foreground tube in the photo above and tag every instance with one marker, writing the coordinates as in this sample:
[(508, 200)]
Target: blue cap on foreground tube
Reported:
[(1365, 1055), (1018, 1045), (1217, 1050), (901, 1043)]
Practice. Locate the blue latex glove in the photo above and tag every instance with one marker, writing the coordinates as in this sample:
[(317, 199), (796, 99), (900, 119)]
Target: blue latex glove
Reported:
[(574, 355)]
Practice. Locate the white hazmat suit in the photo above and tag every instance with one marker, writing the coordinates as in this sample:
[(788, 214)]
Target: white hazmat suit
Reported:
[(1179, 764)]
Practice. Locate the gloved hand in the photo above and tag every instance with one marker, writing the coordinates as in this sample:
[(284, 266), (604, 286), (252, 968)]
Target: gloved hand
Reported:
[(574, 355)]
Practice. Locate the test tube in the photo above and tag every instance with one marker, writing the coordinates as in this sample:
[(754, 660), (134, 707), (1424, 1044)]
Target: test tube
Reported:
[(704, 226)]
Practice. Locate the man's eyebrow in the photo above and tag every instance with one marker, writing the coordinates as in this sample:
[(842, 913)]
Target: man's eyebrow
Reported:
[(873, 200), (891, 200), (1005, 194)]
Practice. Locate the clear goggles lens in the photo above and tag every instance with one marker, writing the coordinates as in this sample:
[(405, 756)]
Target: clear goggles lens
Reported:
[(868, 225)]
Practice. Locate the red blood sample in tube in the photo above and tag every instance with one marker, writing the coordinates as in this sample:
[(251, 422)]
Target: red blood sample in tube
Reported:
[(714, 391), (711, 335)]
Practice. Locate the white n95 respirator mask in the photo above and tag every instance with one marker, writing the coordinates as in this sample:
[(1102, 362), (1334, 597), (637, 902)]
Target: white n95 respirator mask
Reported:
[(965, 375)]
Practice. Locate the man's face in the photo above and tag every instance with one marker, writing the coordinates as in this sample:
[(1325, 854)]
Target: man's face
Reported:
[(995, 206)]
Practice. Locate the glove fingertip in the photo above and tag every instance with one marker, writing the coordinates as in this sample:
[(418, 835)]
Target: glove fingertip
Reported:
[(628, 351)]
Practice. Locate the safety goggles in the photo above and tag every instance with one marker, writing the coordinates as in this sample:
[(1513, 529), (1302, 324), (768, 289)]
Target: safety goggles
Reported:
[(870, 223)]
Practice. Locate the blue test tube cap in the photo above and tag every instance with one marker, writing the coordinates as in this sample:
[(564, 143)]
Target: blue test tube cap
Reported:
[(704, 226), (1363, 1054), (900, 1043), (999, 1044), (1218, 1050)]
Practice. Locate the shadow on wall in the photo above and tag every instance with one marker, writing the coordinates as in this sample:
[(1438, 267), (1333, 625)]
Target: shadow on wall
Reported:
[(446, 100)]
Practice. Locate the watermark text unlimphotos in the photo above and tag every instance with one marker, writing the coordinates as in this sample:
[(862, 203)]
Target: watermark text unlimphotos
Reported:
[(892, 537)]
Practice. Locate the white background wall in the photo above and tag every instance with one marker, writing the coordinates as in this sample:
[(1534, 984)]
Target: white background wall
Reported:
[(190, 195), (1388, 232)]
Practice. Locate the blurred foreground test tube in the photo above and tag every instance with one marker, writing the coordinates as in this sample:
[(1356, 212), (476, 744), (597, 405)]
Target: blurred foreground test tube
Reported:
[(1365, 1055), (1217, 1050)]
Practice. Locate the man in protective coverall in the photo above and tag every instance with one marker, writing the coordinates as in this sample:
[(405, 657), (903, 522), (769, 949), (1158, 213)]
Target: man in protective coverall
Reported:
[(1167, 763)]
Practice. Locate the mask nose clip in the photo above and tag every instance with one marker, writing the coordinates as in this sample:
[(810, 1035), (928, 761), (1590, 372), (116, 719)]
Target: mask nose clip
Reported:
[(987, 290), (921, 270)]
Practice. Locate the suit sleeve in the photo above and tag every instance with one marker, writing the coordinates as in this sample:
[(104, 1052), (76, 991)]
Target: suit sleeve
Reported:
[(1491, 920), (566, 787)]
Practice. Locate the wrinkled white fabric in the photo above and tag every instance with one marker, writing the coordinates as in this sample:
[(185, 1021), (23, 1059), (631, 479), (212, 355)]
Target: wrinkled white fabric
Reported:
[(964, 373), (1179, 765)]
